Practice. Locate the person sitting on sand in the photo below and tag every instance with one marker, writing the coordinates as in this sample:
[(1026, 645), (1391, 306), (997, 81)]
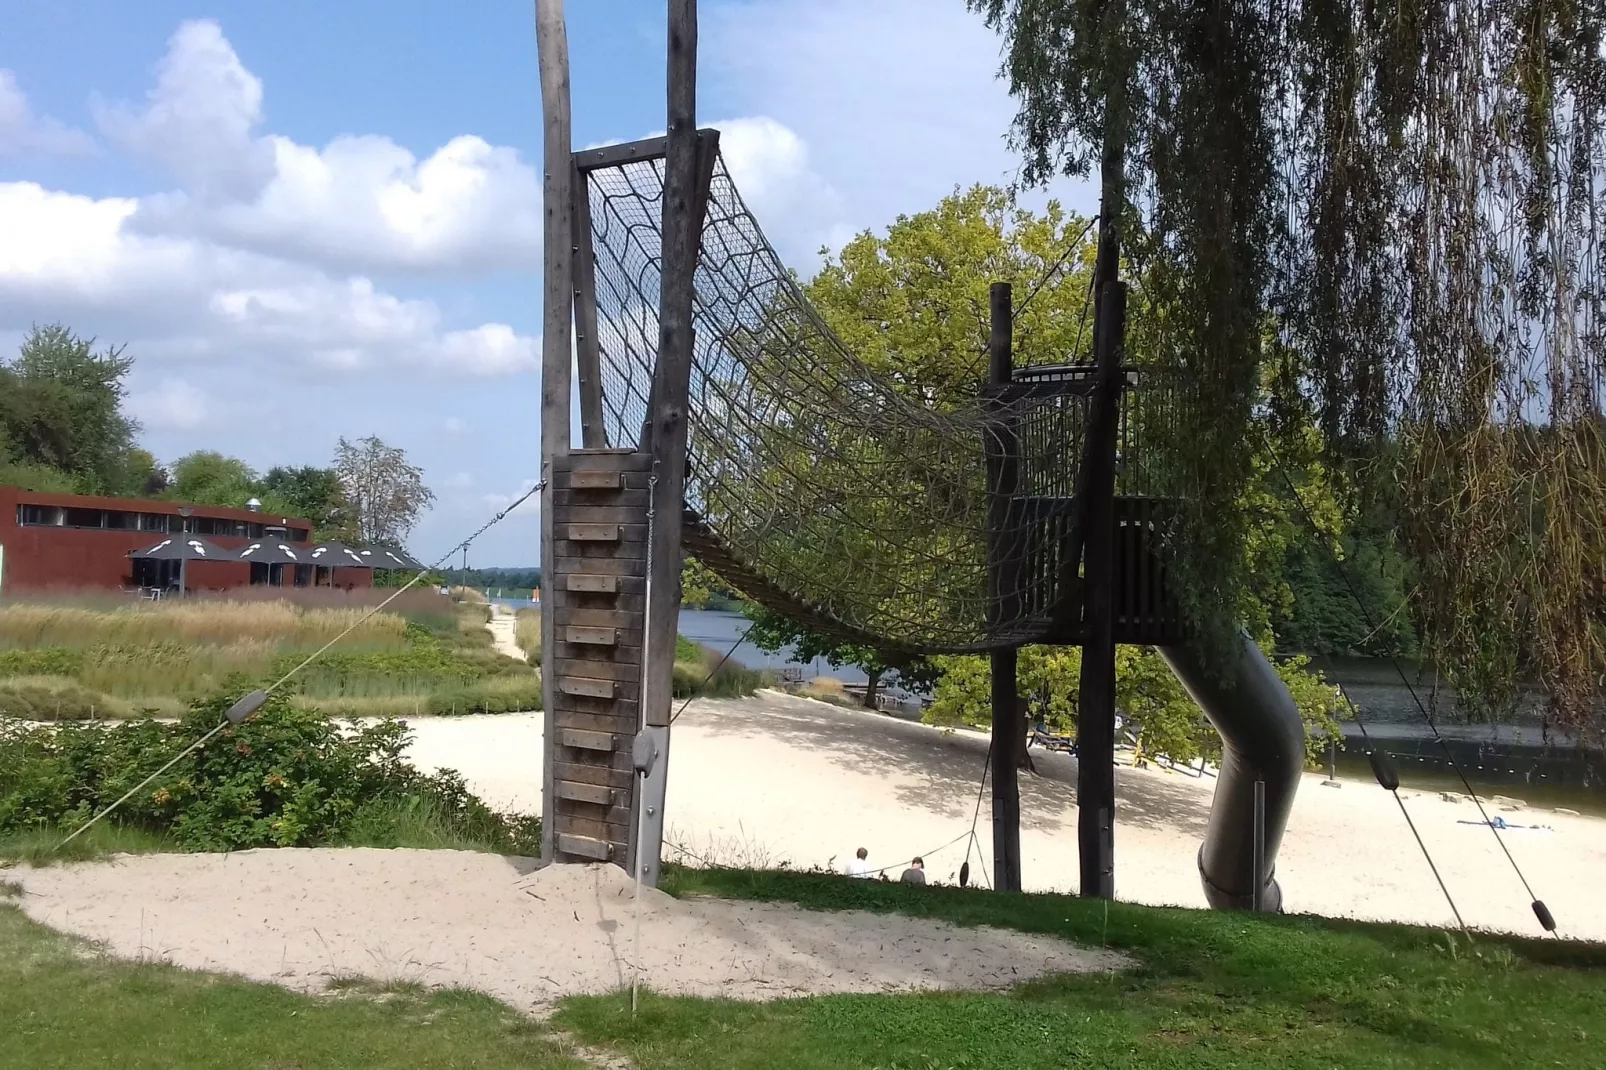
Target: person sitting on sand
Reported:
[(916, 873), (860, 865)]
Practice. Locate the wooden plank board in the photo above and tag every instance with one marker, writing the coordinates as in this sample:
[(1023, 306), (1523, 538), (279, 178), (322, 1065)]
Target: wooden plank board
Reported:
[(581, 497), (591, 636), (578, 819), (595, 794), (628, 637), (613, 619), (592, 532), (597, 668), (580, 739), (601, 514), (589, 687), (623, 725), (608, 776), (607, 461), (605, 565), (585, 847)]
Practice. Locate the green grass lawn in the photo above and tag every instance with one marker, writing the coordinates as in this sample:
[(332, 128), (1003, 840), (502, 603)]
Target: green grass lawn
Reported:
[(1211, 990)]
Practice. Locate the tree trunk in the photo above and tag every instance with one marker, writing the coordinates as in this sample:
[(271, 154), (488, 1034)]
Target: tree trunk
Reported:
[(872, 688)]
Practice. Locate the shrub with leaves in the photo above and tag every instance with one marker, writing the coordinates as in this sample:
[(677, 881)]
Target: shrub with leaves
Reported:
[(288, 778)]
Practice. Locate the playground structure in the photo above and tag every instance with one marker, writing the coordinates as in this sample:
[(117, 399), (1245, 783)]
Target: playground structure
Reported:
[(720, 417)]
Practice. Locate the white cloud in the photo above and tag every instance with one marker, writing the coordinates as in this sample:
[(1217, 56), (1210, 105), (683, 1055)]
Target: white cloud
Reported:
[(22, 132), (198, 121), (897, 102), (530, 506), (174, 406), (360, 203), (77, 259)]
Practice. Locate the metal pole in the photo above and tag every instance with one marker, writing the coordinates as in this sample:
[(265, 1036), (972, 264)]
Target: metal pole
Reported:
[(557, 361), (1259, 901)]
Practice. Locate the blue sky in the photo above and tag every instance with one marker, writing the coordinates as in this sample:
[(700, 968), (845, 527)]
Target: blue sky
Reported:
[(313, 220)]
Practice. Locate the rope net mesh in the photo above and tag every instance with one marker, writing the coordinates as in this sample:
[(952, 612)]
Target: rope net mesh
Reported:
[(817, 485)]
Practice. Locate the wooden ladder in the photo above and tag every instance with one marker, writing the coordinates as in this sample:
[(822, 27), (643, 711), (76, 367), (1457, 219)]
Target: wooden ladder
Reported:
[(598, 599)]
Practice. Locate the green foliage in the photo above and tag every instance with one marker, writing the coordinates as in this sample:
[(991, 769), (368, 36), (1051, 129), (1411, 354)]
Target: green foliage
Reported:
[(772, 632), (699, 671), (1162, 720), (313, 494), (384, 493), (1388, 215), (61, 410), (55, 698), (702, 588), (288, 777)]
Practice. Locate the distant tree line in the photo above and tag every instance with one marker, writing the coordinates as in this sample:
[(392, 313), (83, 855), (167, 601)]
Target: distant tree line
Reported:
[(63, 430)]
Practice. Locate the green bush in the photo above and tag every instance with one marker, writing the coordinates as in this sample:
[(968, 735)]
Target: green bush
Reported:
[(48, 661), (289, 778), (694, 663)]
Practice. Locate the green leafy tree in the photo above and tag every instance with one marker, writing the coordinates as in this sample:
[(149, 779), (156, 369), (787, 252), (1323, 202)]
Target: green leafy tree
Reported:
[(386, 494), (314, 494), (772, 633), (61, 408), (1160, 718)]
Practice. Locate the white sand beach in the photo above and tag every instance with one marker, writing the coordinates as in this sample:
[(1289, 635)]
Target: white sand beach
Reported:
[(779, 779)]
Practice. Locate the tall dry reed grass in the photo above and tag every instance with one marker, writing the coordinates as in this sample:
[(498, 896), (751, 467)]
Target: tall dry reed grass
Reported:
[(196, 621)]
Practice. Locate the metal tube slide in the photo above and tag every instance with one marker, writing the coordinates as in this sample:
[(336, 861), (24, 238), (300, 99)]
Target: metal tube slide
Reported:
[(1263, 739)]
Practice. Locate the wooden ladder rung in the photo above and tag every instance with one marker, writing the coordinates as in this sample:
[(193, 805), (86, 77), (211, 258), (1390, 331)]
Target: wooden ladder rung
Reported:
[(587, 740), (595, 479), (591, 636), (592, 584), (585, 847), (593, 532), (587, 687), (595, 794)]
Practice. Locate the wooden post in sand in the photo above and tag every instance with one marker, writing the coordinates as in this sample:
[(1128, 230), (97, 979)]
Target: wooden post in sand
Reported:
[(1003, 477), (666, 431), (557, 303)]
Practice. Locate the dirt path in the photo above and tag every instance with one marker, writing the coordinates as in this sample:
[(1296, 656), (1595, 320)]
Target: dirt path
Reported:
[(301, 918), (504, 629)]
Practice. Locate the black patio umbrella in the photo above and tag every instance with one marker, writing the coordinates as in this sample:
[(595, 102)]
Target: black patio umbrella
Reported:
[(337, 555), (272, 552), (383, 558), (183, 549)]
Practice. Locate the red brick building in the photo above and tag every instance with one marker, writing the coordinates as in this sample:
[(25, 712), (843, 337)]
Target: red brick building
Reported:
[(73, 542)]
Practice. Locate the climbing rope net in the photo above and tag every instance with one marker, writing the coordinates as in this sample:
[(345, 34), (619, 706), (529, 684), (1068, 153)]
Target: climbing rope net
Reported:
[(816, 483)]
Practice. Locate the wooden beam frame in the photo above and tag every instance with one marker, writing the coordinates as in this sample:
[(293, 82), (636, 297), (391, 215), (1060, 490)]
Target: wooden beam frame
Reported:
[(587, 347), (1003, 477), (682, 225), (557, 296)]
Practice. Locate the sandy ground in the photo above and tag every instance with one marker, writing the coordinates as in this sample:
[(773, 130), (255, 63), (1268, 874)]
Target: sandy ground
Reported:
[(302, 918), (504, 629), (780, 779)]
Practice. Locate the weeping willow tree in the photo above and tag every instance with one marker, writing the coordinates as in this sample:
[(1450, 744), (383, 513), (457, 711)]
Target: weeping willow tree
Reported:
[(1389, 212)]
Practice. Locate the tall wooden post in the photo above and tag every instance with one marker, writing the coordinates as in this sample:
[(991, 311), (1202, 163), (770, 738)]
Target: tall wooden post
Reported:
[(1003, 464), (1095, 723), (682, 225), (557, 296)]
